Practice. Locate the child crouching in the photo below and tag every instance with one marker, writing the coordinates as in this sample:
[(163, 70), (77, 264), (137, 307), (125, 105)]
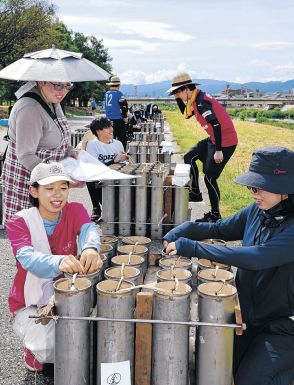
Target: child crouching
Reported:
[(45, 240)]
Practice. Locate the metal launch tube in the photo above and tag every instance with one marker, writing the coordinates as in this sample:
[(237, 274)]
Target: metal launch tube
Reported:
[(170, 343), (94, 278), (138, 250), (108, 207), (153, 148), (182, 275), (157, 179), (142, 152), (132, 150), (215, 275), (72, 338), (129, 273), (115, 340), (129, 260), (136, 240), (177, 261), (108, 251), (214, 346), (141, 203), (124, 207), (111, 240), (181, 199)]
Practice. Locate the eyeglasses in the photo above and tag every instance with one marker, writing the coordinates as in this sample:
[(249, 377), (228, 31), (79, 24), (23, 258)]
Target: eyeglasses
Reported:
[(253, 189), (61, 86)]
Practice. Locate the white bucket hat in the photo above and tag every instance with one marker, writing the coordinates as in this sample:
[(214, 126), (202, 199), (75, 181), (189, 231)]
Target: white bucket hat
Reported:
[(180, 80), (46, 173)]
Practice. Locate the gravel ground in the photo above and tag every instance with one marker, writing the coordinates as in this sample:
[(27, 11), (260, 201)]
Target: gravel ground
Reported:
[(12, 371)]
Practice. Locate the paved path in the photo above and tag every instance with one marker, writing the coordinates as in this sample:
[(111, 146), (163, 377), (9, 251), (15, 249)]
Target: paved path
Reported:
[(12, 371)]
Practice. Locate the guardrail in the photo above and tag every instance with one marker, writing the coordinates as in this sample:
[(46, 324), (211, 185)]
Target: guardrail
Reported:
[(223, 100)]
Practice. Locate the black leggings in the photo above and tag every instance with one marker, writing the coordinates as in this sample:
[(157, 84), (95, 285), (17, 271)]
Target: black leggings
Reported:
[(267, 357), (95, 192), (204, 151), (120, 131)]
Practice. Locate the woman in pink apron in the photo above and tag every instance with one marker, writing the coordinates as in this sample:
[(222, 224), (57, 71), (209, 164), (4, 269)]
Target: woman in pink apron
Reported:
[(38, 131)]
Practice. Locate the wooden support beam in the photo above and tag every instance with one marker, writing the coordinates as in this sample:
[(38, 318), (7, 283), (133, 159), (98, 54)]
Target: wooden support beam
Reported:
[(238, 316), (143, 342), (168, 199), (153, 259)]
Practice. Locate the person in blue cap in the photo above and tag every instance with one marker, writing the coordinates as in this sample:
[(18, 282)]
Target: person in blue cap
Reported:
[(264, 354)]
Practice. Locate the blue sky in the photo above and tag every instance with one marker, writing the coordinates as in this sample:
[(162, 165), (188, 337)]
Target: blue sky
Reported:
[(150, 41)]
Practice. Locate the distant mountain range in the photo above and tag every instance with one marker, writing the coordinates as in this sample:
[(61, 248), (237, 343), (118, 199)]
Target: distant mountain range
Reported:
[(207, 85)]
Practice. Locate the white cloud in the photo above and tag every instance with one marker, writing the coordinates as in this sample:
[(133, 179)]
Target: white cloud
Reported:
[(134, 46), (274, 45), (140, 77), (152, 29), (285, 68), (108, 3), (258, 63), (147, 41), (143, 28)]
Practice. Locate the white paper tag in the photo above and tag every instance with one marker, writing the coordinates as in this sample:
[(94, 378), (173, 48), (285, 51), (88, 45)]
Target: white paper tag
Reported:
[(87, 168), (116, 373)]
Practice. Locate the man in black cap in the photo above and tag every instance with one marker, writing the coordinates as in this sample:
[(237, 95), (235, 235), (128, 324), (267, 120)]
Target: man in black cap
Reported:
[(214, 151), (264, 354)]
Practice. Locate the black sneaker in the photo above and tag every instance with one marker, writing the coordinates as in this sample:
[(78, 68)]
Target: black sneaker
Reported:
[(96, 214), (195, 197), (209, 217)]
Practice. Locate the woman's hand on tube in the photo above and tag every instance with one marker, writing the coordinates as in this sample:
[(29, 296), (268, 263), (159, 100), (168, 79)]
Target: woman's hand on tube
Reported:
[(165, 244), (171, 249), (70, 264), (90, 260)]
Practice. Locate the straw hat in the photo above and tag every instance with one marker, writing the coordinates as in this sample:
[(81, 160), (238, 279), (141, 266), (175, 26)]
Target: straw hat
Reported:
[(180, 80), (114, 81)]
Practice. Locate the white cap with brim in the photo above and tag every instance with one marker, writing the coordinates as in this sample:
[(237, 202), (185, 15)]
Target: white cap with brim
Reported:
[(46, 173), (180, 80)]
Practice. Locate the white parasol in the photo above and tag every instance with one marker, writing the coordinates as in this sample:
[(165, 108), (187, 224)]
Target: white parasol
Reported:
[(54, 65)]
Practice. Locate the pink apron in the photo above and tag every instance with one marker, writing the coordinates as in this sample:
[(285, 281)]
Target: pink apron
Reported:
[(15, 177)]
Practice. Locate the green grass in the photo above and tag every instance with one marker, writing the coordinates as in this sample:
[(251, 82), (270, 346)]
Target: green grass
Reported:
[(276, 123), (251, 136)]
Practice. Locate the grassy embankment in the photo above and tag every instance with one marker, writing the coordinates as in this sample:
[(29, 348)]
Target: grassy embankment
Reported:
[(251, 136)]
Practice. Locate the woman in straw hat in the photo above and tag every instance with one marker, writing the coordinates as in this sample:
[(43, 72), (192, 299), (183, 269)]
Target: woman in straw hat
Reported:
[(215, 151), (45, 240), (116, 109), (264, 354), (38, 131)]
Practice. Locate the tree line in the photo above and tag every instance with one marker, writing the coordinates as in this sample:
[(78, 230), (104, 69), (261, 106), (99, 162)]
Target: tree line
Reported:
[(32, 25)]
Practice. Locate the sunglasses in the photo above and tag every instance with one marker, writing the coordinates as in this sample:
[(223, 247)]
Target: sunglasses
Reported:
[(178, 90), (62, 86), (253, 189)]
